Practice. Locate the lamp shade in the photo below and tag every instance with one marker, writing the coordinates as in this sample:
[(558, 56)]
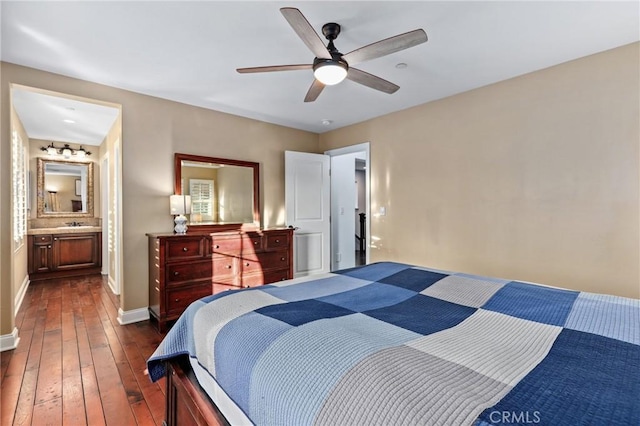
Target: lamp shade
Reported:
[(330, 72), (180, 204)]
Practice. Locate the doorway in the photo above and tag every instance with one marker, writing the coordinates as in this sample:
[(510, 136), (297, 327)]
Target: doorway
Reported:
[(349, 206), (52, 118), (326, 208)]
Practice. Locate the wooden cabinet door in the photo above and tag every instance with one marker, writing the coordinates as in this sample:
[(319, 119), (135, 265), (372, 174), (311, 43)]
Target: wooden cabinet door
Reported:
[(41, 254), (76, 250)]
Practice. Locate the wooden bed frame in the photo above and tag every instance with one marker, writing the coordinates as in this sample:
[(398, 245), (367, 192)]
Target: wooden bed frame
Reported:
[(186, 402)]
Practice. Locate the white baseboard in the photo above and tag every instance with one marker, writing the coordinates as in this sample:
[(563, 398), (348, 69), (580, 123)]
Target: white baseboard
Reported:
[(20, 296), (9, 341), (135, 315)]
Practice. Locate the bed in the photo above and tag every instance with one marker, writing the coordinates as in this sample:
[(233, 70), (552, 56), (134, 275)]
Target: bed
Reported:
[(395, 344)]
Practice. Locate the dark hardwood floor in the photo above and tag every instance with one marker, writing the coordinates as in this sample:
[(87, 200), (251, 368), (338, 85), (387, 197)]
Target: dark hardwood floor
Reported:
[(75, 364)]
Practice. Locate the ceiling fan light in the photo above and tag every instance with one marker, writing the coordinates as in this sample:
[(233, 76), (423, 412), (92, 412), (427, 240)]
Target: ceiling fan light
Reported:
[(330, 72)]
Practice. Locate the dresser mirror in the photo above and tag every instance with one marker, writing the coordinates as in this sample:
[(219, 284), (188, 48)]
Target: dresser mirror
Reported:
[(64, 188), (224, 193)]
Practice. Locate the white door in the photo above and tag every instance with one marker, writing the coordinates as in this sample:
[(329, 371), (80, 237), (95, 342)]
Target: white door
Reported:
[(307, 201)]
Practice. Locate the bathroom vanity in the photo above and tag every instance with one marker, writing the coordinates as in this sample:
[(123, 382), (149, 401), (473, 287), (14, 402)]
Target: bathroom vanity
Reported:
[(64, 251)]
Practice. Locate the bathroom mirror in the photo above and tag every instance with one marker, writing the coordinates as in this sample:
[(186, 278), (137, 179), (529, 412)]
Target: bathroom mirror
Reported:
[(64, 188), (224, 193)]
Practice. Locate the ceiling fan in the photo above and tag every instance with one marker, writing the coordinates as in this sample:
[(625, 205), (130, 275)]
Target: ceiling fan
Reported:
[(330, 66)]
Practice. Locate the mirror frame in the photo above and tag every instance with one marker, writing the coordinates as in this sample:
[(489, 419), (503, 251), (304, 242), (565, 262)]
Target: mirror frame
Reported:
[(177, 189), (41, 214)]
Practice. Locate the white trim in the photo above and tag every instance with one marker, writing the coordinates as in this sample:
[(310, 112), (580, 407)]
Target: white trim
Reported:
[(134, 315), (112, 284), (104, 200), (9, 341), (20, 295)]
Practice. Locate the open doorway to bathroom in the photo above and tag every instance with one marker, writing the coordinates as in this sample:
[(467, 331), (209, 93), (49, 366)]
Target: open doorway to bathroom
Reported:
[(52, 122)]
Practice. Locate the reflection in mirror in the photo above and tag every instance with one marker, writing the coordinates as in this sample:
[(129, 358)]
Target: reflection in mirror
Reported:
[(223, 191), (65, 188)]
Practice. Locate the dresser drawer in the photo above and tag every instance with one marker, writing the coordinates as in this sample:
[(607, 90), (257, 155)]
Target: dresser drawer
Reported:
[(185, 248), (42, 239), (223, 266), (193, 271), (257, 262), (252, 280), (179, 298), (237, 245), (280, 240)]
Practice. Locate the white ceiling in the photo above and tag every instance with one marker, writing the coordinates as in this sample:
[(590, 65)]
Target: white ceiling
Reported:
[(61, 119), (188, 51)]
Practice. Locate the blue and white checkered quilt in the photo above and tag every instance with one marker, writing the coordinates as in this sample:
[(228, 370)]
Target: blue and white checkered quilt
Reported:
[(393, 344)]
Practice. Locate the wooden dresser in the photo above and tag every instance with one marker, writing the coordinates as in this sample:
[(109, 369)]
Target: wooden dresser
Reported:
[(184, 268)]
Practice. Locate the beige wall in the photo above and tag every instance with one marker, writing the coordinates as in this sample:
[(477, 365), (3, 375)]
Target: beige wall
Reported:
[(6, 252), (536, 178), (152, 131)]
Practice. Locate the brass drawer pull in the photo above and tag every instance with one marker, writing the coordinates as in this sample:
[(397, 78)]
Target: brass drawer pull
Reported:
[(185, 249), (255, 243), (177, 300), (176, 273), (282, 258), (277, 241)]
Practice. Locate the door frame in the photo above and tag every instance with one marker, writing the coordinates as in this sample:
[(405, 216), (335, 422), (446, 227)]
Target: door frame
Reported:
[(352, 149)]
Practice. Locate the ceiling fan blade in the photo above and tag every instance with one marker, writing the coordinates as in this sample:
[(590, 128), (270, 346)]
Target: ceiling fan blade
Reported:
[(371, 80), (314, 91), (386, 46), (305, 31), (275, 68)]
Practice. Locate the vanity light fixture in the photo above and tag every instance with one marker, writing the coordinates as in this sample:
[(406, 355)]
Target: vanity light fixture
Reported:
[(66, 151)]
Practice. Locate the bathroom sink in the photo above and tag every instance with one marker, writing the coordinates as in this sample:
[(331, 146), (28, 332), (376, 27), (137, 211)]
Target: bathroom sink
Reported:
[(75, 226)]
